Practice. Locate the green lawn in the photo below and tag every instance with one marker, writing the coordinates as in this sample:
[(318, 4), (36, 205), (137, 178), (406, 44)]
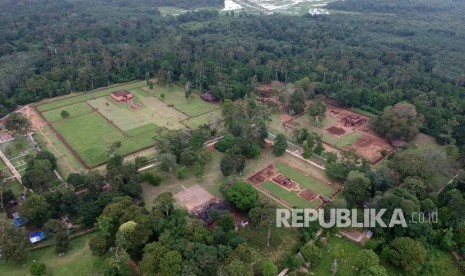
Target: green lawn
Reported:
[(67, 163), (153, 111), (305, 181), (143, 130), (73, 110), (77, 261), (85, 96), (4, 169), (347, 139), (90, 135), (195, 122), (290, 197), (174, 95), (345, 264)]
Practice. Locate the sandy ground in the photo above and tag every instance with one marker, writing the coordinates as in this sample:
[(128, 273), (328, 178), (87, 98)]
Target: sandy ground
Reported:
[(193, 197)]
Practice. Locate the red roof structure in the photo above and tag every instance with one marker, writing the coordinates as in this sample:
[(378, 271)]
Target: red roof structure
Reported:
[(122, 96), (208, 97)]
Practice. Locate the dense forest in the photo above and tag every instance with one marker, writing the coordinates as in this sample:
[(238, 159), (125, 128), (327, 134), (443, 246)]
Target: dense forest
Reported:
[(367, 54)]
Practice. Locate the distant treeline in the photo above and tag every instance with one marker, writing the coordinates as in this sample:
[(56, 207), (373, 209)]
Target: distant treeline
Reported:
[(366, 60)]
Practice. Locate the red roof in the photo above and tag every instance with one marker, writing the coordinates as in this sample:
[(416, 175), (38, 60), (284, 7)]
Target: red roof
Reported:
[(121, 93), (207, 96)]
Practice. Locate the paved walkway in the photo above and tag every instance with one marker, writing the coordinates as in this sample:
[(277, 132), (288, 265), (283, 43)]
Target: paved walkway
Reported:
[(11, 167)]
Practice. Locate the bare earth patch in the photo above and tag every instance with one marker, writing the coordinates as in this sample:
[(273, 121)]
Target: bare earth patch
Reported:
[(193, 197), (370, 147), (336, 131), (285, 118)]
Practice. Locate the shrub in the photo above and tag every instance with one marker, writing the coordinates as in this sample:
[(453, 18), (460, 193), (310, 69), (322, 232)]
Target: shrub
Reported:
[(227, 142), (38, 269), (182, 173), (152, 178)]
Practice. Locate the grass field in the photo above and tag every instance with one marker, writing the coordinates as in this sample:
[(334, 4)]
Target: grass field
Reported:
[(290, 197), (85, 96), (154, 111), (96, 121), (92, 138), (78, 261), (15, 187), (345, 264), (67, 163), (4, 169), (174, 95), (195, 122), (305, 181), (73, 110)]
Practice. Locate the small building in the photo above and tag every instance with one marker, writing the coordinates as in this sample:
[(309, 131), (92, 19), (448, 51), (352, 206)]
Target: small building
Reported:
[(36, 236), (206, 211), (353, 120), (208, 97), (122, 96), (18, 221)]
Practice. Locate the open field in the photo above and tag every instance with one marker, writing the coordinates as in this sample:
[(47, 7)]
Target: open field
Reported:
[(73, 110), (345, 264), (77, 261), (305, 180), (289, 196), (153, 112), (92, 139), (195, 122), (294, 187), (342, 129), (66, 161), (96, 121)]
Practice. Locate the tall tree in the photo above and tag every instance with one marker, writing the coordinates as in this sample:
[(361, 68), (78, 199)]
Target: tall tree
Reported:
[(280, 145), (400, 121)]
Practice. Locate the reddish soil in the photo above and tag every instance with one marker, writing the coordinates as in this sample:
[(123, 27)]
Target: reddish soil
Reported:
[(262, 175), (285, 118), (307, 194), (336, 131), (37, 122), (370, 147)]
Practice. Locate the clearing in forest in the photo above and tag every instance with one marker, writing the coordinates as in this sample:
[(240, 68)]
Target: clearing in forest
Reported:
[(344, 129), (293, 187), (97, 119)]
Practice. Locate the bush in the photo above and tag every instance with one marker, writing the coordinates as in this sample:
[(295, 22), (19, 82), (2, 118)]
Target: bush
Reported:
[(140, 160), (243, 196), (152, 178), (227, 142), (99, 245), (182, 173), (38, 269), (268, 268), (312, 254)]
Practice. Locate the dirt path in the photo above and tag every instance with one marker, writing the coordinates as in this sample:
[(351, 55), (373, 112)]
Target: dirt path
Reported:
[(37, 124)]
